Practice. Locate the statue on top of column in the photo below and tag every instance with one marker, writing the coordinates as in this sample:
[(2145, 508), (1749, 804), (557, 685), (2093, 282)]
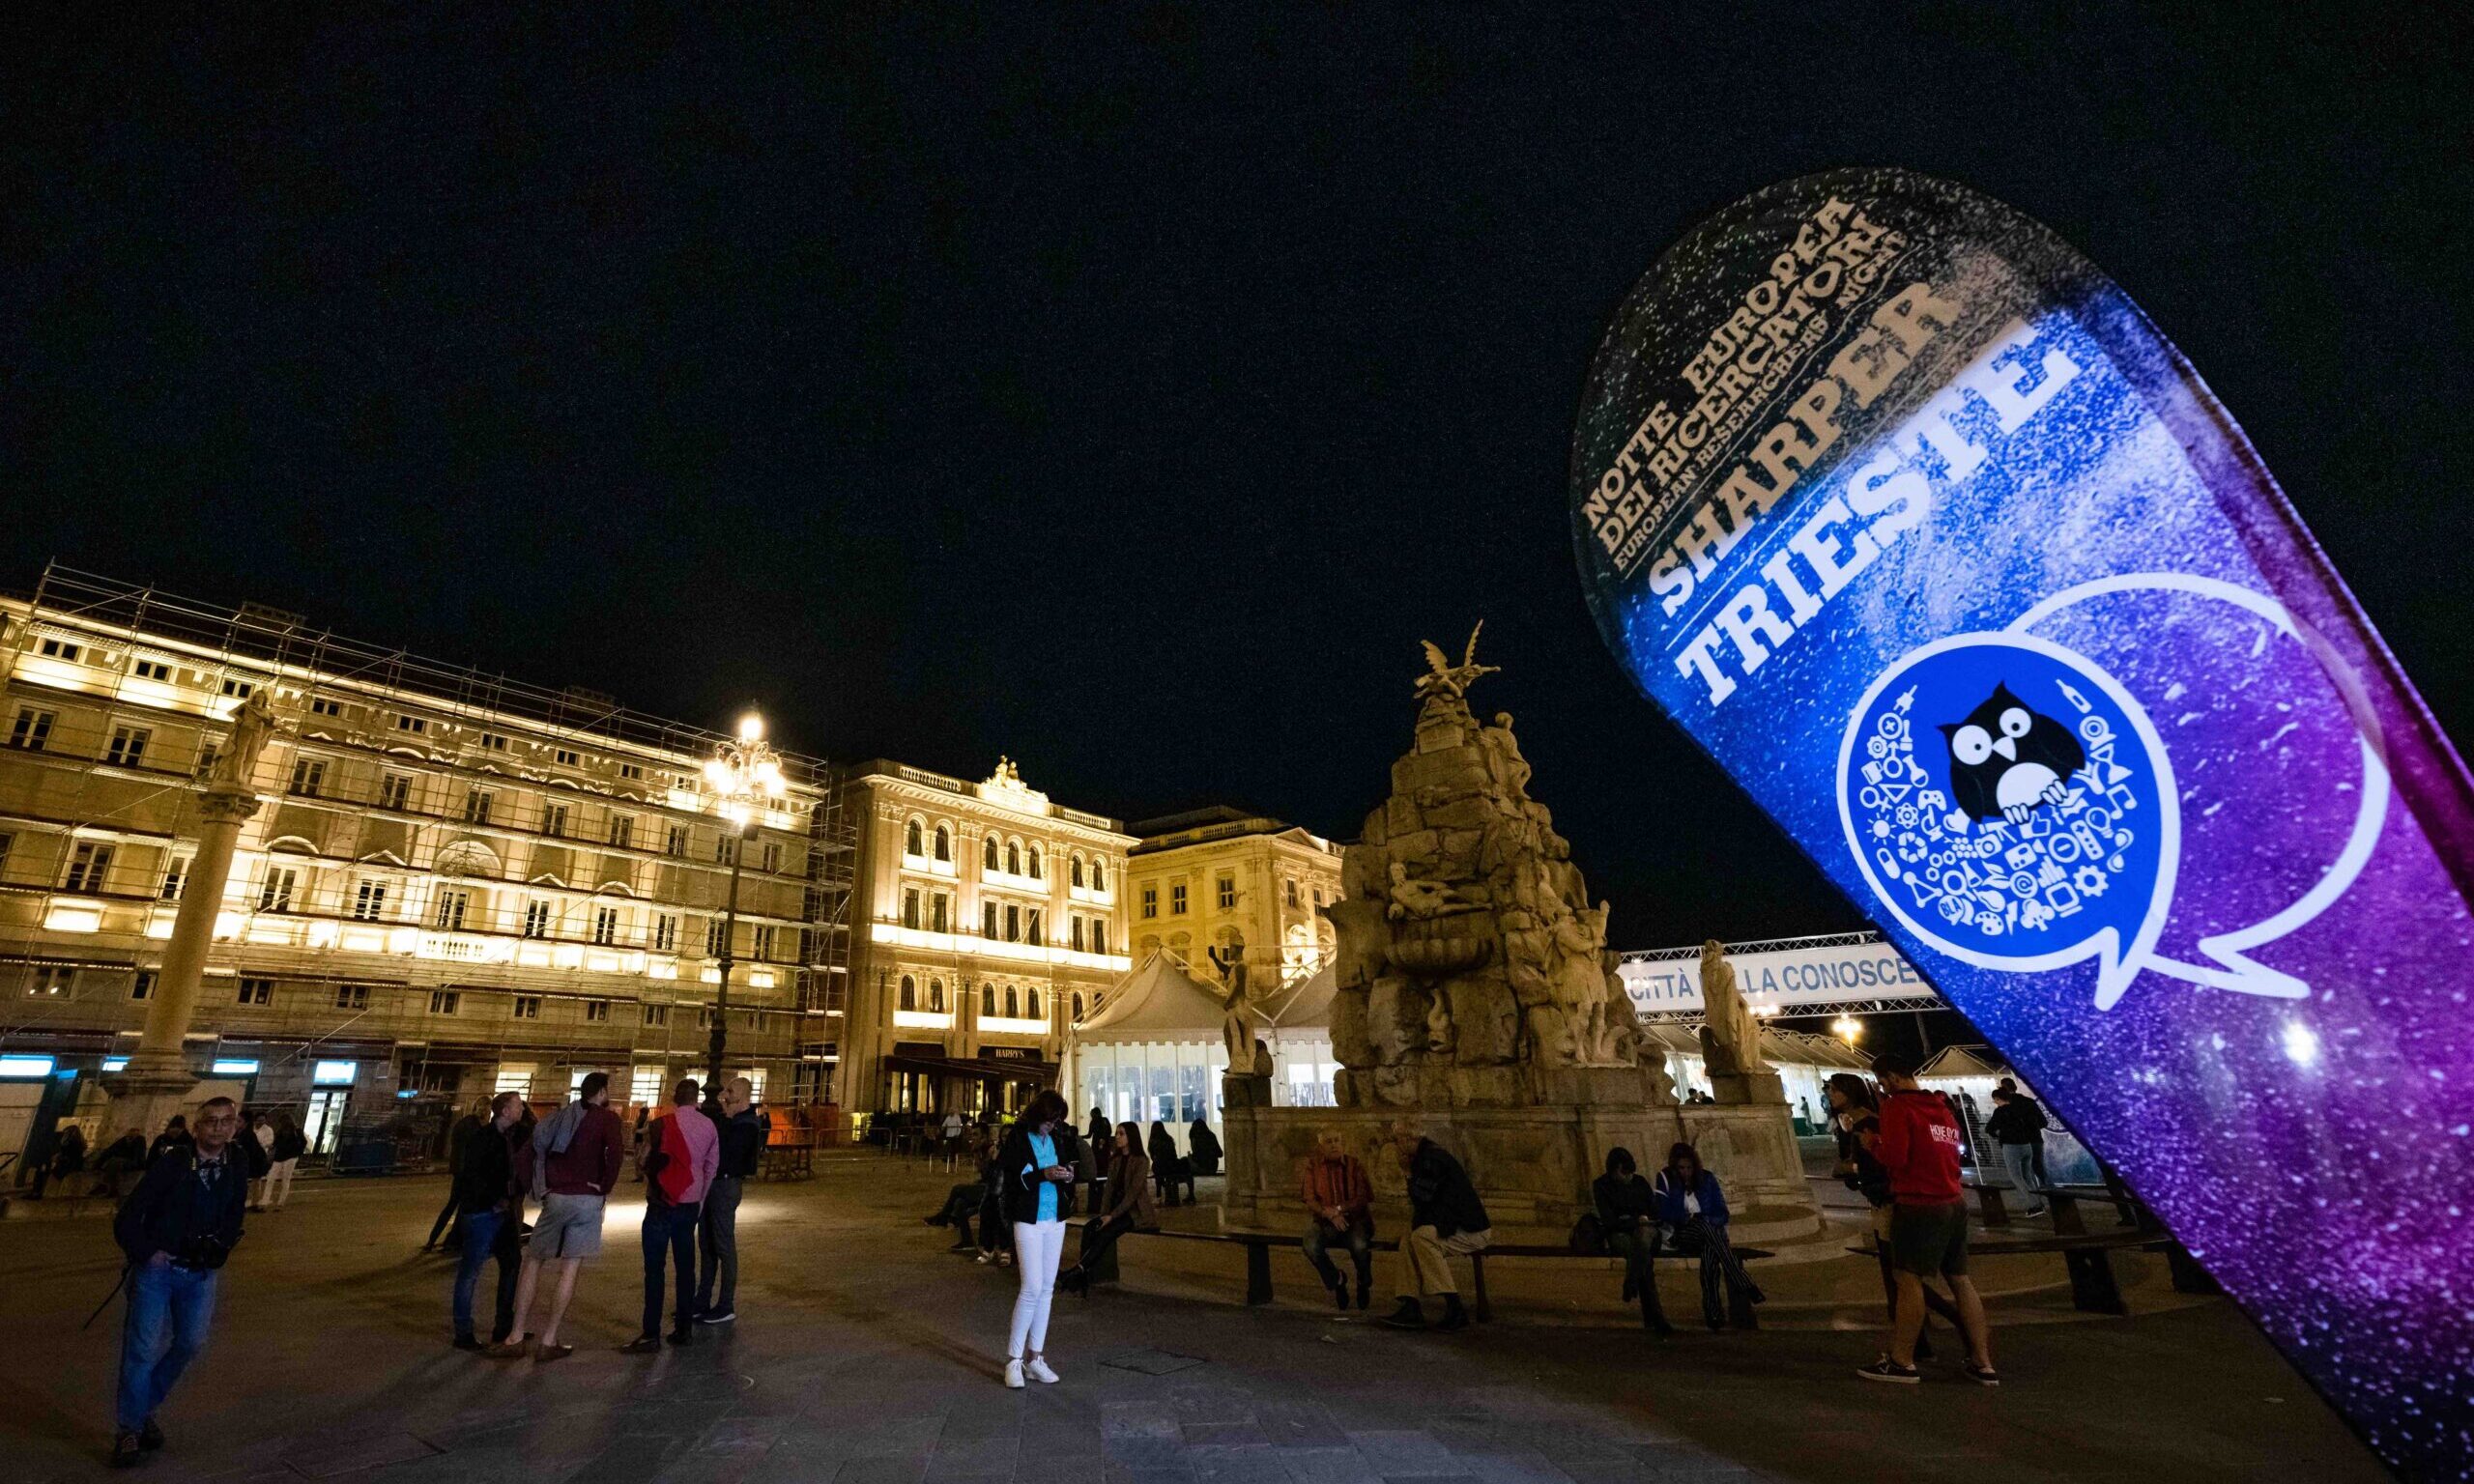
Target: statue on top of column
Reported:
[(253, 726)]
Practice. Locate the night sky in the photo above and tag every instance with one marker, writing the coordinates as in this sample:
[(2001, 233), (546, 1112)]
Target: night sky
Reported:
[(1127, 393)]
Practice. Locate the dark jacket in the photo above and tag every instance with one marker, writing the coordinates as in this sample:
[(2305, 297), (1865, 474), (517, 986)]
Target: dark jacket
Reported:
[(1020, 1186), (1625, 1203), (174, 1211), (69, 1153), (743, 1134), (254, 1154), (486, 1167), (1204, 1145), (167, 1140), (1704, 1189), (1440, 1194), (2020, 1121), (460, 1135), (1868, 1178), (290, 1143)]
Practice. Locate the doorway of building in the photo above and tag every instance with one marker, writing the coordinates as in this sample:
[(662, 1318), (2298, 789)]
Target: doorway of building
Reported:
[(324, 1122)]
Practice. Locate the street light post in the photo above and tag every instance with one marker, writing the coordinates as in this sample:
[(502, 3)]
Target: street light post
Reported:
[(743, 774)]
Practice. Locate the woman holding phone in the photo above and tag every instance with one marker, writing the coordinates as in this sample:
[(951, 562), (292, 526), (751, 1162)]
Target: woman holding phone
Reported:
[(1037, 1164)]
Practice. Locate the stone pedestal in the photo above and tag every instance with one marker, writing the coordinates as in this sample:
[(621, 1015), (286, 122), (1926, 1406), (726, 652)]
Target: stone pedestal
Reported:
[(155, 1083), (1748, 1088)]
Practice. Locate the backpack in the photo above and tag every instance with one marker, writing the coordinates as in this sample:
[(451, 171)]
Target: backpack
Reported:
[(1589, 1236)]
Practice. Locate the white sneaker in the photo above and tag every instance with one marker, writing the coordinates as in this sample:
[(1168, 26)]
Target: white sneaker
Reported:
[(1014, 1374), (985, 1257), (1037, 1365)]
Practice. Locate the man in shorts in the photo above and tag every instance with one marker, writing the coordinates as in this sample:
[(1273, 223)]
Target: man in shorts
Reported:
[(572, 1165), (1919, 1144)]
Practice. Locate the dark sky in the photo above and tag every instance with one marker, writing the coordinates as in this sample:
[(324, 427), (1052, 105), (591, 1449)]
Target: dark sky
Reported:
[(1127, 392)]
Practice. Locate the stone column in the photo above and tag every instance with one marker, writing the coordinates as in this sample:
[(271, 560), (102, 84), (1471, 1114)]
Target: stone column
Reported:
[(156, 1082)]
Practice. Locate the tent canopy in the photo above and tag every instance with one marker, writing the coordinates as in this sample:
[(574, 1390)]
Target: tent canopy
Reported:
[(1970, 1062), (1307, 1005), (1159, 1000)]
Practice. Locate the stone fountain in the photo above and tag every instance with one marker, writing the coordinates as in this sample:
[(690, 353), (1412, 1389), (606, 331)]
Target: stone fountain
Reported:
[(1478, 999)]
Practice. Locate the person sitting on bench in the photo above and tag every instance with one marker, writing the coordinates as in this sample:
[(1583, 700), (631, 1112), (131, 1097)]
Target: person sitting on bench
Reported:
[(1130, 1207), (1446, 1218), (1627, 1212), (1340, 1198), (1694, 1211)]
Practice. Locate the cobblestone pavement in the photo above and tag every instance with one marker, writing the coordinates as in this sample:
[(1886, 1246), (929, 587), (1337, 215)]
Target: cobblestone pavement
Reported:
[(866, 1355)]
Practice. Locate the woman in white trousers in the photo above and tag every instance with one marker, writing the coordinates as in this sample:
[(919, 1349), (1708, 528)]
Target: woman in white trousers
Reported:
[(1036, 1162)]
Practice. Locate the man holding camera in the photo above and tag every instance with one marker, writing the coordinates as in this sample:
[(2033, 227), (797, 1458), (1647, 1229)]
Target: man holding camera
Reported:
[(176, 1228)]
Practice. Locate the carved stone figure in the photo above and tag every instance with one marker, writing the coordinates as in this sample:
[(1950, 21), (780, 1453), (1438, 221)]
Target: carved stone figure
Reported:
[(1415, 898), (1453, 680), (1730, 1032), (252, 725)]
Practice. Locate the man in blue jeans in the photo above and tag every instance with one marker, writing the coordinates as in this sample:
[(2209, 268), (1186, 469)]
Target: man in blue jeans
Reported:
[(176, 1228), (485, 1192), (680, 1155)]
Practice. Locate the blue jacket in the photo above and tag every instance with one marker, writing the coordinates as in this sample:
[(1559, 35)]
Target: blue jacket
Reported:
[(1670, 1198)]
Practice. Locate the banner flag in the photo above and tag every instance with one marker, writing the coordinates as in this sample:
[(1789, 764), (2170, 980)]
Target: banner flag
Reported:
[(1912, 520)]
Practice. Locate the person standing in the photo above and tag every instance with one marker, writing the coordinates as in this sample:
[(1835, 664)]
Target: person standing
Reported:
[(1918, 1145), (1856, 1116), (1339, 1198), (485, 1192), (1446, 1218), (744, 1132), (175, 1229), (1130, 1207), (2018, 1130), (681, 1153), (1693, 1209), (68, 1161), (1627, 1212), (1034, 1163), (471, 1122), (284, 1148), (570, 1164), (176, 1132)]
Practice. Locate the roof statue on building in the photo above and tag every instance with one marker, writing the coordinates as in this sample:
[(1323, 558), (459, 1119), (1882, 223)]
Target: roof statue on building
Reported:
[(252, 725), (1452, 679), (1006, 772)]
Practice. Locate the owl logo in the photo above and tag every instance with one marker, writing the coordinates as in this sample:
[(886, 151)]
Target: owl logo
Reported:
[(2005, 758)]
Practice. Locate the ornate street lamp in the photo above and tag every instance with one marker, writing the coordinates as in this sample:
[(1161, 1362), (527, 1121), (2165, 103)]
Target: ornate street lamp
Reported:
[(744, 775), (1850, 1029)]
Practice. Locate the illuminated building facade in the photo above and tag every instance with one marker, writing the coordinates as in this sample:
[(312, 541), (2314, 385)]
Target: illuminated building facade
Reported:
[(1219, 877), (987, 918), (455, 883)]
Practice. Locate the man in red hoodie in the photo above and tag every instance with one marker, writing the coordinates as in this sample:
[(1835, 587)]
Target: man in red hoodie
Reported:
[(1918, 1145)]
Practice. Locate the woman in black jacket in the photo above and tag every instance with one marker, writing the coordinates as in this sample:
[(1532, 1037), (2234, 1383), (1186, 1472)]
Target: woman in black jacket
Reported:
[(1164, 1161), (1627, 1212), (1038, 1163)]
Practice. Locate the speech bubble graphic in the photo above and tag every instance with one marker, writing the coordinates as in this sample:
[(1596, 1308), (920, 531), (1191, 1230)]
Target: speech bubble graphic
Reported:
[(2012, 806)]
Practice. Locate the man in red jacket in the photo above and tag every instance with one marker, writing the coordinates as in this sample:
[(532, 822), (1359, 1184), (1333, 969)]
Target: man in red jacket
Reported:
[(1918, 1145)]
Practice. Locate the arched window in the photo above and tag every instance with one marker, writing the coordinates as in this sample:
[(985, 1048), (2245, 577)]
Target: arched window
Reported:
[(1078, 870), (1099, 877), (987, 921), (944, 843), (909, 993), (936, 995), (988, 1001), (989, 856), (1035, 862), (1013, 858), (1012, 1004), (1031, 1002), (910, 838), (1077, 1004)]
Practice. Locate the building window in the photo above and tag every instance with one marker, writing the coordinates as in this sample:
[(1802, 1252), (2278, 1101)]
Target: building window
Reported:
[(1150, 900), (61, 649), (275, 893), (308, 776), (493, 742), (1013, 924), (256, 991), (1034, 926), (647, 1085), (554, 820), (605, 926), (772, 859), (1078, 1004), (1099, 877), (128, 748), (175, 875), (52, 984), (452, 908), (1177, 898), (369, 900), (394, 791), (666, 933), (445, 1002), (1035, 862), (940, 908), (1290, 887), (725, 849), (944, 843), (911, 910), (141, 985), (536, 919), (1013, 859), (1226, 894), (1031, 1004), (936, 996), (238, 689), (656, 1015), (713, 941), (913, 843), (567, 758), (1077, 871), (988, 1002), (154, 669), (766, 935), (32, 729), (528, 1006), (1099, 936), (320, 706), (909, 993), (622, 831), (674, 841), (1074, 929), (352, 996), (477, 807), (987, 921), (988, 856), (411, 724), (632, 771), (513, 1077), (597, 1012), (1012, 1004)]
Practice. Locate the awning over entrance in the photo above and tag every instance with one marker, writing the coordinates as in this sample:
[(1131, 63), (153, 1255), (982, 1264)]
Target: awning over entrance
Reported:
[(988, 1070)]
